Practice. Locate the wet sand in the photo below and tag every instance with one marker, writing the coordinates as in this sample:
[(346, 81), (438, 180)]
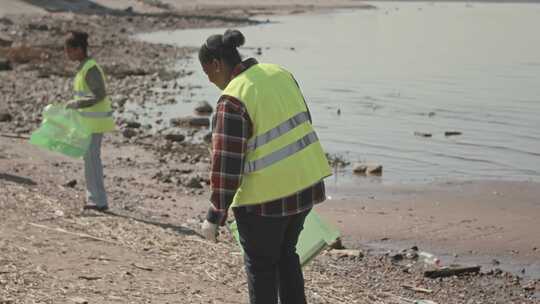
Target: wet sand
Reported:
[(460, 221)]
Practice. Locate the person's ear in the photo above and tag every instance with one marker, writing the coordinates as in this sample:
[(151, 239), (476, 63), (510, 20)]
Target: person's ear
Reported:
[(217, 65)]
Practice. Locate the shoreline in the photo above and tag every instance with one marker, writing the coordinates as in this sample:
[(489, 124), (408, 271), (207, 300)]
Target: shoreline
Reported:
[(522, 258), (165, 184), (473, 221), (462, 1)]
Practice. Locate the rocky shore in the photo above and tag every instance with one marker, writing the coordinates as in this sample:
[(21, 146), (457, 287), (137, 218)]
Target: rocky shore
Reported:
[(147, 250)]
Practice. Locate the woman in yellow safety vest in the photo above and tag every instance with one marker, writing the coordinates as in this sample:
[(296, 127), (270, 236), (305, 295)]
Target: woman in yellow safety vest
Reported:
[(267, 164), (91, 101)]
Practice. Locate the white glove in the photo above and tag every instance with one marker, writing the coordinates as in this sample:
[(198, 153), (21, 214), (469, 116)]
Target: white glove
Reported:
[(209, 230)]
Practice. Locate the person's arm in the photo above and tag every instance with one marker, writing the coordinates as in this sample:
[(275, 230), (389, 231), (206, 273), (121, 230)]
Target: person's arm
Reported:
[(96, 84), (231, 131)]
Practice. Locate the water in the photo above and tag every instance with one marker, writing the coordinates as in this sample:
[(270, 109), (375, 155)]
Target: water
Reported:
[(474, 67)]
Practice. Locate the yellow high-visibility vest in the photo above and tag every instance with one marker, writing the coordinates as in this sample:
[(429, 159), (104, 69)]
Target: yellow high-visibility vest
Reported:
[(284, 154), (98, 118)]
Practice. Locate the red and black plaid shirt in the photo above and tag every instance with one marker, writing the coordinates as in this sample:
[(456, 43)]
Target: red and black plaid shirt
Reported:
[(231, 130)]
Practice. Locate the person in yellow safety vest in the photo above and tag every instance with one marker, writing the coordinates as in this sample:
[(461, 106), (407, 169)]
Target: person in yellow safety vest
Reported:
[(91, 101), (267, 164)]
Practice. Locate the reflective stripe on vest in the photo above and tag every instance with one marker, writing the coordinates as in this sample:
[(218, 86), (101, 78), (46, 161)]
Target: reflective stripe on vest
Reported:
[(96, 114), (276, 132), (281, 154)]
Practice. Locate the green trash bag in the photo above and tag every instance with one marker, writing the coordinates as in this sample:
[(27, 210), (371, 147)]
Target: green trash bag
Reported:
[(315, 236), (62, 131)]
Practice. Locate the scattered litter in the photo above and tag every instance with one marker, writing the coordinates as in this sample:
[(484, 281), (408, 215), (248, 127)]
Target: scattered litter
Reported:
[(429, 259), (89, 278), (417, 289), (141, 267), (451, 271)]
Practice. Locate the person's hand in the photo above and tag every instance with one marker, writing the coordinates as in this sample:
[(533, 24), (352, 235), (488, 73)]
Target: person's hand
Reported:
[(209, 230), (72, 104), (217, 217), (223, 220), (45, 99)]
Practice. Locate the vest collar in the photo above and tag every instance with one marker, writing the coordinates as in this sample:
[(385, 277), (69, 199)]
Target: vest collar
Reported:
[(83, 63), (243, 66)]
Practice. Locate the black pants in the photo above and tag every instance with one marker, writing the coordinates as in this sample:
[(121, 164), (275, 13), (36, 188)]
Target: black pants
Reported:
[(272, 265)]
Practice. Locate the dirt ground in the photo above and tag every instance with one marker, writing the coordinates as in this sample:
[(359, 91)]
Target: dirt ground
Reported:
[(147, 249)]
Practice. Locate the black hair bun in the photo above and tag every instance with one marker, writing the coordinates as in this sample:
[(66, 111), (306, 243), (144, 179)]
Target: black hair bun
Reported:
[(233, 38), (79, 36), (84, 36)]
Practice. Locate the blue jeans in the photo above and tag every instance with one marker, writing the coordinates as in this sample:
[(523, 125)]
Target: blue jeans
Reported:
[(270, 258), (93, 172)]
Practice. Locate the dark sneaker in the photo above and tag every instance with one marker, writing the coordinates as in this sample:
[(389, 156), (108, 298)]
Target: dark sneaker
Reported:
[(95, 208)]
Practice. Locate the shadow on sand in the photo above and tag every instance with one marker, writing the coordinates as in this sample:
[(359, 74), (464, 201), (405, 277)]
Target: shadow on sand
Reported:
[(17, 179)]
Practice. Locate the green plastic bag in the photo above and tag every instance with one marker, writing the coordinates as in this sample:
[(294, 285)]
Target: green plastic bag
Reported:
[(313, 238), (62, 131)]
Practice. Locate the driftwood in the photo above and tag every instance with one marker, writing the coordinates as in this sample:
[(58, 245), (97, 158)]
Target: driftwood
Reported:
[(417, 289), (141, 267), (447, 272), (344, 253), (391, 298), (16, 136), (82, 235), (90, 278)]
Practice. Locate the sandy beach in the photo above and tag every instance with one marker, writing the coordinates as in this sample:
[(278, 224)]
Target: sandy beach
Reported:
[(473, 221), (148, 249)]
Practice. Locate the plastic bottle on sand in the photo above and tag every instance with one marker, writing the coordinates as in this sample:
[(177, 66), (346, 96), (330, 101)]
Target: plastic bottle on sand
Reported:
[(429, 259)]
